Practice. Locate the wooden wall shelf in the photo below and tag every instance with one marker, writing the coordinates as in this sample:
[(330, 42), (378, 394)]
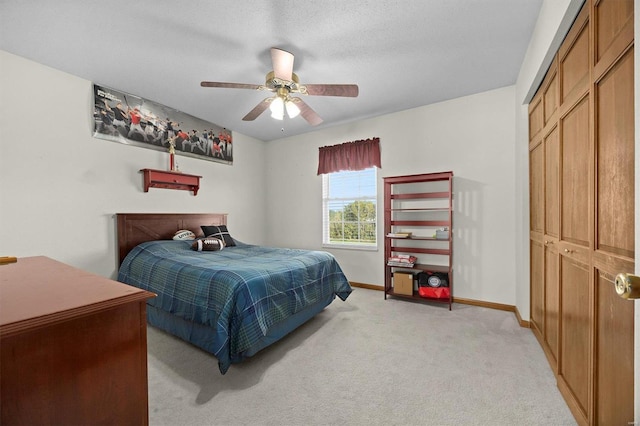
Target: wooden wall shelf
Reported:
[(170, 180)]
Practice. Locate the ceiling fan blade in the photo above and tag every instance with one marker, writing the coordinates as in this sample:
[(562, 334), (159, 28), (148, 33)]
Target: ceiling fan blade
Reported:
[(282, 63), (259, 109), (307, 113), (230, 85), (346, 90)]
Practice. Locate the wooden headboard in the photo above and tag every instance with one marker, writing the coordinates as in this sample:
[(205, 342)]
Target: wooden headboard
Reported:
[(136, 228)]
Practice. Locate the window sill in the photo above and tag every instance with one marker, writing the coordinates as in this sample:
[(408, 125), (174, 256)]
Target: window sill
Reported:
[(350, 247)]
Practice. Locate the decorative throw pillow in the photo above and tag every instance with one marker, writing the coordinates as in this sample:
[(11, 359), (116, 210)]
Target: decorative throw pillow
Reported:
[(184, 234), (208, 244), (219, 232)]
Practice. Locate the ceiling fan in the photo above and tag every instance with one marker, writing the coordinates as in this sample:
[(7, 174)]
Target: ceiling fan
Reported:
[(284, 82)]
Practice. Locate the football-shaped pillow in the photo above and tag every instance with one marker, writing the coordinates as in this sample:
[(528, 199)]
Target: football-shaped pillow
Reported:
[(184, 234), (208, 244)]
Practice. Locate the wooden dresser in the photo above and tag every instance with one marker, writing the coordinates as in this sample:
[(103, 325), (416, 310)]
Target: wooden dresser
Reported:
[(73, 346)]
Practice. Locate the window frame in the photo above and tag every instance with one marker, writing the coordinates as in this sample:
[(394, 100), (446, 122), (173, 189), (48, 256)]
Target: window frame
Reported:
[(326, 200)]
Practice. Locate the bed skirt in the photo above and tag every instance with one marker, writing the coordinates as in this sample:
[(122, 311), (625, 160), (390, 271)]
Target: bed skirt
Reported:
[(202, 335)]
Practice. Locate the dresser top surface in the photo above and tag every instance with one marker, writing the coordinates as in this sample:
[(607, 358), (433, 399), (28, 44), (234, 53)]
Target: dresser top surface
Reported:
[(38, 287)]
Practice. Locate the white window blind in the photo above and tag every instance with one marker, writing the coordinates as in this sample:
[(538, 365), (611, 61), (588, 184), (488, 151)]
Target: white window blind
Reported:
[(349, 209)]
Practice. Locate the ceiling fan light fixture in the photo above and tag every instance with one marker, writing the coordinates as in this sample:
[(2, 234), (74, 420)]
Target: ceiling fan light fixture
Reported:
[(277, 108), (292, 109), (284, 82)]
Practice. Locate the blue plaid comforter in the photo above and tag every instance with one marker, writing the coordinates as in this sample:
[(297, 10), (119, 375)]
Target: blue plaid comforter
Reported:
[(240, 292)]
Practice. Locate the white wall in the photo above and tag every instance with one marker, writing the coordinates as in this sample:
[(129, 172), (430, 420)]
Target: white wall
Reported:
[(60, 187), (554, 20), (471, 136)]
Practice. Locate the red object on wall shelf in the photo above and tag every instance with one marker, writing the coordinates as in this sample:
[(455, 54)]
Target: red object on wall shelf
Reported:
[(170, 180)]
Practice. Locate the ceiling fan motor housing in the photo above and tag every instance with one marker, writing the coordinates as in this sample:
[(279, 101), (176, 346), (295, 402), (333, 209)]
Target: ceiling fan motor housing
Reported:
[(273, 83)]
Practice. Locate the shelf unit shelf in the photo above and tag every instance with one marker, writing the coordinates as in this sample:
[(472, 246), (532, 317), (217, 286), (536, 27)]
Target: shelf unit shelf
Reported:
[(422, 267), (420, 250), (428, 223), (419, 238), (420, 210), (420, 195), (436, 189)]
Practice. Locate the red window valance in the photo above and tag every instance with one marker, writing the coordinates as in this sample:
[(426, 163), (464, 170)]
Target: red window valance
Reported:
[(357, 155)]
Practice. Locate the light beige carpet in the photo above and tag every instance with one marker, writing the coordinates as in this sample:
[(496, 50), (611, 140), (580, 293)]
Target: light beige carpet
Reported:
[(366, 361)]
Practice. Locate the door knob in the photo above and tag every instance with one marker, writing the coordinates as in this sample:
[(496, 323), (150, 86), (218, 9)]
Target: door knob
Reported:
[(628, 286)]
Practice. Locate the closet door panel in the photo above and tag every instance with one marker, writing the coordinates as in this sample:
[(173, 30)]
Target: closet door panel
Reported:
[(614, 161), (574, 60), (573, 369), (614, 357), (551, 96), (614, 27), (536, 188), (536, 220), (551, 171), (536, 117), (552, 302), (537, 287), (575, 175)]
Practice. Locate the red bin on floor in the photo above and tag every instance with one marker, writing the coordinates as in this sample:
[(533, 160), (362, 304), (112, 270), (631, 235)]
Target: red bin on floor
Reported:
[(434, 293)]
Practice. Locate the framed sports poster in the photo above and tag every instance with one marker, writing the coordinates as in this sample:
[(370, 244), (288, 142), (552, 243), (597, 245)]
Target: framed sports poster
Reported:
[(129, 119)]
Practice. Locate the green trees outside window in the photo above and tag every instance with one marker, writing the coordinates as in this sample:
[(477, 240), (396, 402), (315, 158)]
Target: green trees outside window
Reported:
[(354, 223)]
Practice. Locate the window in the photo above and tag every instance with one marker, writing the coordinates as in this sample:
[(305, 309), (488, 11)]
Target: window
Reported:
[(349, 209)]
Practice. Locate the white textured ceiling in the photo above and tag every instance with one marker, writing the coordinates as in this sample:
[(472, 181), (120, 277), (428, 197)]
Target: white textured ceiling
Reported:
[(402, 54)]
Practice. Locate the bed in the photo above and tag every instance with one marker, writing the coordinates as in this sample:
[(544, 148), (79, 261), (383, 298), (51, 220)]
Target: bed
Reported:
[(233, 302)]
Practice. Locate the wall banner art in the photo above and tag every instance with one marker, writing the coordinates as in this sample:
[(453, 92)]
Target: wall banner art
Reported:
[(129, 119)]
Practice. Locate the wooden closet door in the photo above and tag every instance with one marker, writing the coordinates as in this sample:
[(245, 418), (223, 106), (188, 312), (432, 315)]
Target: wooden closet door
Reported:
[(551, 238), (576, 160), (582, 172), (614, 208), (544, 151), (574, 249), (536, 218), (551, 95)]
